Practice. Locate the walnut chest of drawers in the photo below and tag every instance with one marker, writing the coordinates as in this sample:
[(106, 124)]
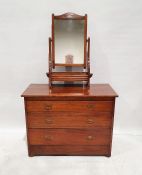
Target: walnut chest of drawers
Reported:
[(73, 120)]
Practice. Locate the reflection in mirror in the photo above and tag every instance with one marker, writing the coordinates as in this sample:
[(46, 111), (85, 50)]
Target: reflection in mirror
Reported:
[(69, 41)]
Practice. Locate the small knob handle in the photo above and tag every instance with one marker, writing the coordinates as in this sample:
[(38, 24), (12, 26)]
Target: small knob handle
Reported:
[(48, 120), (48, 107), (90, 106), (90, 121), (47, 137), (89, 137)]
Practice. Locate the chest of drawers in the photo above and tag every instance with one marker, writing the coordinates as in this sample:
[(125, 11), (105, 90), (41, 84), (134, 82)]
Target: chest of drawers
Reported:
[(69, 120)]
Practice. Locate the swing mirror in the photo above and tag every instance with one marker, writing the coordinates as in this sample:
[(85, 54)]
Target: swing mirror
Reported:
[(69, 40)]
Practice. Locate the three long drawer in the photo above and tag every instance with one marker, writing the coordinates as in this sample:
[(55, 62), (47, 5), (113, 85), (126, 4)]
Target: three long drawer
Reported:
[(96, 136), (77, 106), (69, 127), (69, 119)]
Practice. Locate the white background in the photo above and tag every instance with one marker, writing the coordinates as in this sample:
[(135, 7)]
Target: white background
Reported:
[(115, 29)]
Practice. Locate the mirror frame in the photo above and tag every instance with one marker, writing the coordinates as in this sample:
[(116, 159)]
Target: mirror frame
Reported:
[(68, 16)]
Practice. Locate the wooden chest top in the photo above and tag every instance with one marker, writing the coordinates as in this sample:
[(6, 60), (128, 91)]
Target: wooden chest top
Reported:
[(94, 90)]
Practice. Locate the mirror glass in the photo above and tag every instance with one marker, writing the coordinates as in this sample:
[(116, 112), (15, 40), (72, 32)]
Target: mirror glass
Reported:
[(69, 41)]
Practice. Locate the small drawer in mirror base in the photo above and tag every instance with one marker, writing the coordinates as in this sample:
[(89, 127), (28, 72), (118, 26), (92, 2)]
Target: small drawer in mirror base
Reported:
[(69, 150)]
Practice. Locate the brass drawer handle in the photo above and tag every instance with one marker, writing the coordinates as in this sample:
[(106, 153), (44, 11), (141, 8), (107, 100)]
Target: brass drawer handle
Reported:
[(89, 137), (48, 137), (48, 120), (90, 121), (90, 106), (48, 107)]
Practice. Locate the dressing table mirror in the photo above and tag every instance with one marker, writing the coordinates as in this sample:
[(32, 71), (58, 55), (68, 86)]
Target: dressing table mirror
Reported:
[(69, 48), (75, 119)]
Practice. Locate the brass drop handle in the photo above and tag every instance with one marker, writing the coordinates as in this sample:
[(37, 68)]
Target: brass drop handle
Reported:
[(47, 137), (48, 107), (89, 137), (48, 120), (90, 121)]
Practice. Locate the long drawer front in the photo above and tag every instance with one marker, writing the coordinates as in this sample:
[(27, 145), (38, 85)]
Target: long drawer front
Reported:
[(69, 120), (69, 150), (96, 136), (81, 106)]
